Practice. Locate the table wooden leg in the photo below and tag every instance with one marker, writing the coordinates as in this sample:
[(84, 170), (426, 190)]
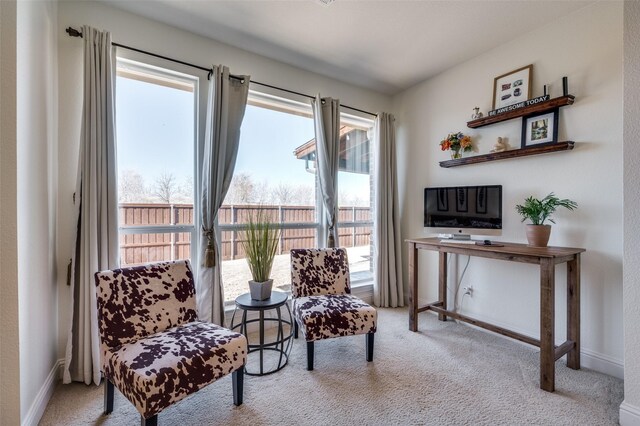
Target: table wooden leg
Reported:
[(547, 324), (442, 283), (413, 287), (573, 311)]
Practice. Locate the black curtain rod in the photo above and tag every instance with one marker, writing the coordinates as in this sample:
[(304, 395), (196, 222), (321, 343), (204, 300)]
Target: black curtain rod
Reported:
[(75, 33)]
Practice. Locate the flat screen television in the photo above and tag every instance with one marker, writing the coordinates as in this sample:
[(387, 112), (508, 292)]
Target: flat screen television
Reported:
[(460, 211)]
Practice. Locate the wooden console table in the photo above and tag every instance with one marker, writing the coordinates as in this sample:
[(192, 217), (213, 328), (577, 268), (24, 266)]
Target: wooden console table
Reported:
[(547, 258)]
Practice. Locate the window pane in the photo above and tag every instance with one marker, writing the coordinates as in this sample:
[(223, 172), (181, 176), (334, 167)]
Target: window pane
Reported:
[(155, 132), (273, 164), (138, 249), (355, 198), (155, 125), (236, 274), (298, 238), (140, 214), (274, 172)]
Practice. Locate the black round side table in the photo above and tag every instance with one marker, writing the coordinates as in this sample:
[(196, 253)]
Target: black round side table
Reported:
[(281, 346)]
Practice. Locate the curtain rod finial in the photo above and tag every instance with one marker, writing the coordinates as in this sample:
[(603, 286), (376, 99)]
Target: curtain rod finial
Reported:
[(73, 32)]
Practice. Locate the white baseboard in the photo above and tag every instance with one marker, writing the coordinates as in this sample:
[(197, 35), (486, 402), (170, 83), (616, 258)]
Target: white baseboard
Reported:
[(44, 395), (588, 358), (602, 363), (629, 414)]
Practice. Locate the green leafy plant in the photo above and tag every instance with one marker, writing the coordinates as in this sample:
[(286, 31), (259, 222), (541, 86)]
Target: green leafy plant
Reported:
[(537, 211), (260, 245)]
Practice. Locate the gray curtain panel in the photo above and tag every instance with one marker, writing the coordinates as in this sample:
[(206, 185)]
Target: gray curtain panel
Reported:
[(225, 110), (388, 290), (326, 119), (96, 245)]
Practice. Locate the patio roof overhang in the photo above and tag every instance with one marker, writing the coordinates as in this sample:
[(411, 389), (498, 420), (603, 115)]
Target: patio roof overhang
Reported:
[(354, 151)]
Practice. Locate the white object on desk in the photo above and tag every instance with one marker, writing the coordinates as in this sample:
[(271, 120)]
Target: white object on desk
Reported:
[(453, 241)]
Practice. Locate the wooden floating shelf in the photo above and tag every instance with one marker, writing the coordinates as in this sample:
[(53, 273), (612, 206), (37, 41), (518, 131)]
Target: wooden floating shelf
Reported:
[(541, 107), (524, 152)]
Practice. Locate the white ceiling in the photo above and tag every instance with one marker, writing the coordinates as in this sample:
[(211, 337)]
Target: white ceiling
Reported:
[(386, 46)]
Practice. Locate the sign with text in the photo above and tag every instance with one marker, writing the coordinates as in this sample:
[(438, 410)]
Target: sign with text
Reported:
[(519, 105)]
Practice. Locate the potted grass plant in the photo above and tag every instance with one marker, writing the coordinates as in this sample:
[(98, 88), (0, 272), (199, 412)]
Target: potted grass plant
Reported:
[(260, 245), (538, 211)]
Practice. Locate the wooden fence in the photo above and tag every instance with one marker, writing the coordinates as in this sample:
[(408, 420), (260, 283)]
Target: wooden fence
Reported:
[(142, 248)]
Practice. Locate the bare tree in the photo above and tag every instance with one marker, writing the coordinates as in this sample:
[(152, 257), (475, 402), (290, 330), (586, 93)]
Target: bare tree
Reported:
[(165, 187), (304, 195), (241, 190), (343, 199), (283, 194), (261, 194), (350, 199), (245, 190), (186, 190), (131, 188)]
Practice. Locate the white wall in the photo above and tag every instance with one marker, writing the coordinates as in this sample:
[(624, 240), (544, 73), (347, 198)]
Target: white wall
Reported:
[(9, 334), (586, 46), (37, 164), (630, 408), (159, 38)]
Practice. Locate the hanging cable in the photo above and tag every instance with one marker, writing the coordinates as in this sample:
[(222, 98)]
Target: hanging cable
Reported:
[(455, 297)]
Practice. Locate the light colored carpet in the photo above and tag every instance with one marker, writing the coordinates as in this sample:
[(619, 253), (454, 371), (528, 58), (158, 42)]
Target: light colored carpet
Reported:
[(447, 374)]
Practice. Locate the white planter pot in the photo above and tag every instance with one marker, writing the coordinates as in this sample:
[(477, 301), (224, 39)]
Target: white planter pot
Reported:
[(260, 291)]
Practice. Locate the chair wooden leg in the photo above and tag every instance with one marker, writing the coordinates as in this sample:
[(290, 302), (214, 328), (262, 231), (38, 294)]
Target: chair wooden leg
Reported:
[(151, 421), (237, 377), (108, 396), (370, 346), (295, 329), (310, 356)]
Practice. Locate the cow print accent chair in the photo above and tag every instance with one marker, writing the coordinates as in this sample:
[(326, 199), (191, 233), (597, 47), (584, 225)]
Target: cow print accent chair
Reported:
[(323, 306), (154, 348)]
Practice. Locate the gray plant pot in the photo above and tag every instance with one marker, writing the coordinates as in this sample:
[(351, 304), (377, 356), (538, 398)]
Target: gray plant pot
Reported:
[(260, 291)]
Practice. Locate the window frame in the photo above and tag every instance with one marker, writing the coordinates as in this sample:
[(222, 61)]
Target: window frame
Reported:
[(288, 105), (262, 98), (266, 100), (128, 62), (359, 279)]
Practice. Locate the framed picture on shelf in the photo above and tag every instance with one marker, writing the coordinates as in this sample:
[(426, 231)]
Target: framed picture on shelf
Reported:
[(512, 87), (540, 129)]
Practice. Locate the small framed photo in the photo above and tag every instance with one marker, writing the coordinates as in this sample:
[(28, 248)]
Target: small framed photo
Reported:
[(512, 87), (540, 129), (462, 201)]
